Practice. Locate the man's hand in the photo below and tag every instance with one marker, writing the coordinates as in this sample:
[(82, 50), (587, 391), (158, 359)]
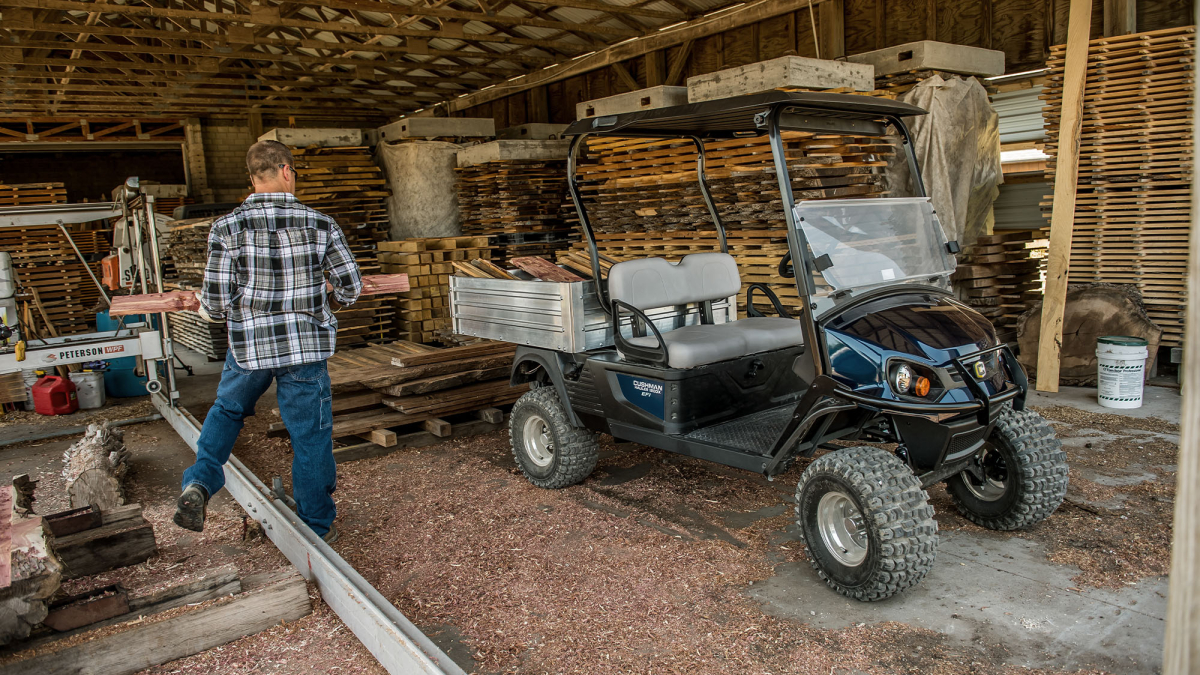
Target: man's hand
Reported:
[(333, 303)]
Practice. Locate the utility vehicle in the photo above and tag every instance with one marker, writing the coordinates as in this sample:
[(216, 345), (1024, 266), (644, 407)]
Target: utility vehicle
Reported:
[(882, 353)]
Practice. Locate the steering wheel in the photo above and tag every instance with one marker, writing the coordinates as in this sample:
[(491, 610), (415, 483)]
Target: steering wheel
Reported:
[(786, 270)]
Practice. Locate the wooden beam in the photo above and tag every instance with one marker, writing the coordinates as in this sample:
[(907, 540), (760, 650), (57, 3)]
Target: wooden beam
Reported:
[(679, 63), (1062, 218), (656, 68), (624, 51), (832, 22), (626, 79), (273, 19), (1120, 17)]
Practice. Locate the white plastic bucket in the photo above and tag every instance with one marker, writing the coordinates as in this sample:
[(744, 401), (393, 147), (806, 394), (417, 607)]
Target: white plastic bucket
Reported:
[(1121, 370), (31, 377), (90, 386)]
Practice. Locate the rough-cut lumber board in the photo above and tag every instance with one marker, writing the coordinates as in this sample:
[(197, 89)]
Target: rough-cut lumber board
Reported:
[(1090, 311), (454, 354), (382, 437), (269, 600), (178, 301), (122, 541), (87, 608), (545, 270), (401, 375), (418, 439), (95, 468), (491, 415), (1062, 219), (441, 382)]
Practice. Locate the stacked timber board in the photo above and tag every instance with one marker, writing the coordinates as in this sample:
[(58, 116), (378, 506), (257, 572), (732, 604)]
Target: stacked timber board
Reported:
[(519, 203), (1001, 276), (345, 184), (51, 279), (643, 198), (383, 389), (32, 194), (187, 254), (1133, 203), (423, 313)]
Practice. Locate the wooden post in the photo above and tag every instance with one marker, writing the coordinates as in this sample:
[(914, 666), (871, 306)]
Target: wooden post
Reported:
[(1062, 215), (1181, 654), (832, 21), (656, 68), (1120, 17)]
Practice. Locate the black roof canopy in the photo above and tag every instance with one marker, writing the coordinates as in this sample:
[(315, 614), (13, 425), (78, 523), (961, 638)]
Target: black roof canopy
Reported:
[(741, 115)]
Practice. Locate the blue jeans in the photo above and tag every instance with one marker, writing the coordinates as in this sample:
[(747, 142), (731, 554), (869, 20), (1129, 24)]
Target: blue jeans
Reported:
[(306, 405)]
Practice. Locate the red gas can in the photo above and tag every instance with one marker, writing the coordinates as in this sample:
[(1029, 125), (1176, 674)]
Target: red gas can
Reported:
[(53, 395)]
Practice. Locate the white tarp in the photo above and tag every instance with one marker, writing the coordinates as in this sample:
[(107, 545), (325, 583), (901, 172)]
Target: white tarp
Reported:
[(958, 148), (424, 201)]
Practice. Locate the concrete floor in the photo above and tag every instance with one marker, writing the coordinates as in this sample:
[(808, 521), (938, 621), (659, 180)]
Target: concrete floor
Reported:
[(993, 594)]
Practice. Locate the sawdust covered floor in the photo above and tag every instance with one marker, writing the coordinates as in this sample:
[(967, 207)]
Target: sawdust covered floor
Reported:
[(660, 563)]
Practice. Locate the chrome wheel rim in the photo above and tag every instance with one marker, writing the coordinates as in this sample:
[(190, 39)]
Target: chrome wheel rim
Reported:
[(539, 444), (842, 528), (995, 472)]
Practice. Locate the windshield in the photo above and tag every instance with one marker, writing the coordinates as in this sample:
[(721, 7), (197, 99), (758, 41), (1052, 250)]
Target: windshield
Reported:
[(874, 242)]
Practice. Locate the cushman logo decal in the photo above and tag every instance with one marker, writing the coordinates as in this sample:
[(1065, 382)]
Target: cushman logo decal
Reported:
[(648, 388)]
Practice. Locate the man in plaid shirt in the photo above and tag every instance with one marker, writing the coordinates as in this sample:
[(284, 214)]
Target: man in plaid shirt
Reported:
[(265, 279)]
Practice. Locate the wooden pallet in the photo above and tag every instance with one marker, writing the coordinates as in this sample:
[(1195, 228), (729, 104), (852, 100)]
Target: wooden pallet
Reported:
[(32, 194), (1133, 203), (52, 279)]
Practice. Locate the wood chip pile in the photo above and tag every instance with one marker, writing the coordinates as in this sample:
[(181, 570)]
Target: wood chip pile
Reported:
[(1133, 205), (345, 184), (521, 204), (405, 386), (423, 312), (643, 198), (1002, 275)]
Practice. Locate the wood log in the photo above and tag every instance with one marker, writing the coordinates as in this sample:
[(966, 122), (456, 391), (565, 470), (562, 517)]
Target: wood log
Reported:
[(34, 572), (268, 600), (545, 270), (179, 301), (1091, 311), (95, 467)]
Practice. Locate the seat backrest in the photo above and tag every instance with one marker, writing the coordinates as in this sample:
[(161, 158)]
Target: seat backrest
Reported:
[(650, 283)]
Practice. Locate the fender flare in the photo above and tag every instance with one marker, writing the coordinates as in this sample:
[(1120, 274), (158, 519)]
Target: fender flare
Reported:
[(553, 364)]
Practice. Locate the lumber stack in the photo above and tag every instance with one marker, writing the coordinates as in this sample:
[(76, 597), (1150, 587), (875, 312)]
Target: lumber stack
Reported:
[(404, 386), (1133, 203), (423, 313), (1001, 276), (183, 269), (643, 198), (520, 203), (32, 194), (345, 184), (61, 297)]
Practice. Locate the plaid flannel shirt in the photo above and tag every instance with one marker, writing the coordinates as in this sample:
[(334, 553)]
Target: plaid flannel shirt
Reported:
[(265, 277)]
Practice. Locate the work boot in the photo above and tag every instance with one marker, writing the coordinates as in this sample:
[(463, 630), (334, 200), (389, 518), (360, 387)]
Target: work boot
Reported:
[(191, 507), (332, 535)]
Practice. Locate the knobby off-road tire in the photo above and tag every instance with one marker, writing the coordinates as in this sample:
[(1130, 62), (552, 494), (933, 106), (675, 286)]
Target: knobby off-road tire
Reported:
[(894, 522), (1027, 469), (550, 451)]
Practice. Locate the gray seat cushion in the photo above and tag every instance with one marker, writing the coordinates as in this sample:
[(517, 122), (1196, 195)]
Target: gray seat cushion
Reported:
[(693, 346)]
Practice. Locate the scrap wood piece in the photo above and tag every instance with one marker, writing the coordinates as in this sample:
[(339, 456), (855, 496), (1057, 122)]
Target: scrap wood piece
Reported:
[(470, 270), (179, 301), (124, 538), (429, 402), (34, 576), (380, 379), (447, 381), (454, 354), (545, 270), (492, 269), (267, 600), (95, 466)]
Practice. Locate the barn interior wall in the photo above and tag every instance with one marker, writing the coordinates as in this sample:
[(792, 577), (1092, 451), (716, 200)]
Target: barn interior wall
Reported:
[(90, 175)]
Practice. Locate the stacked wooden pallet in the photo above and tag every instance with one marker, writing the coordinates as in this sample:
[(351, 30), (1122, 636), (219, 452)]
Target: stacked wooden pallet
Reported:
[(62, 297), (423, 313), (186, 256), (194, 332), (32, 194), (643, 198), (1133, 203), (405, 387), (345, 184), (520, 203), (1001, 276)]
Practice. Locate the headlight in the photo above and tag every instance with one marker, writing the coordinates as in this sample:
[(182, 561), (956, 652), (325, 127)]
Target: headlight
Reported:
[(903, 379)]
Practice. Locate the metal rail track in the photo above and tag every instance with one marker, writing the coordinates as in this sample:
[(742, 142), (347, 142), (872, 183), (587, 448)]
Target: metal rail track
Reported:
[(400, 647)]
